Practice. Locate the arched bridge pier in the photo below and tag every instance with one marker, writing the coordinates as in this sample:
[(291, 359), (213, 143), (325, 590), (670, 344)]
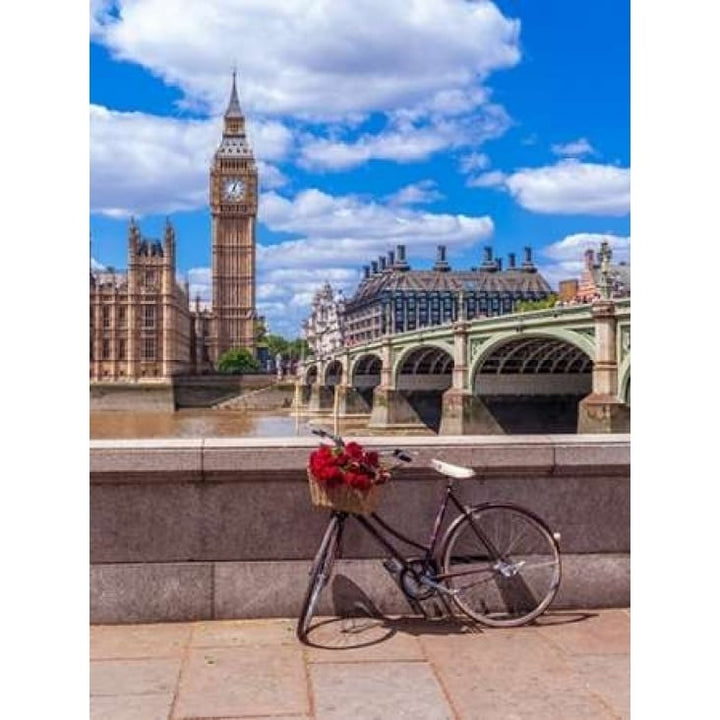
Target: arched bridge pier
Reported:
[(559, 370)]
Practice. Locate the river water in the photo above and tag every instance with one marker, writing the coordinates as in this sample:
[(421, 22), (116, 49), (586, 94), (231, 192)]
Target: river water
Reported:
[(204, 423)]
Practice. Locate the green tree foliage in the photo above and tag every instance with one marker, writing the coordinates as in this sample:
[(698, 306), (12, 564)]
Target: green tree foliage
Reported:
[(237, 361), (526, 305), (288, 349)]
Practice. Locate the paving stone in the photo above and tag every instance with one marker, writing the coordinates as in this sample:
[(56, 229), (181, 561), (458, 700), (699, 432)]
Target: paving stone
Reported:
[(138, 641), (133, 677), (230, 682), (362, 639), (607, 676), (228, 633), (601, 632), (377, 691), (513, 673), (131, 707)]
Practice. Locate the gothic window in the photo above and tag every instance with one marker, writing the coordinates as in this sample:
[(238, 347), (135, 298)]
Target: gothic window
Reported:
[(105, 349), (148, 317), (148, 349), (122, 316), (122, 350), (106, 316), (150, 278)]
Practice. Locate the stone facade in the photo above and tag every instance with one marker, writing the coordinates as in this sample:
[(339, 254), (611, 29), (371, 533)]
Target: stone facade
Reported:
[(324, 330), (140, 324)]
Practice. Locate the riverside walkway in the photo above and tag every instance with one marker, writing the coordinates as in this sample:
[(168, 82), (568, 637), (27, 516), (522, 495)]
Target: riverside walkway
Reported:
[(569, 665)]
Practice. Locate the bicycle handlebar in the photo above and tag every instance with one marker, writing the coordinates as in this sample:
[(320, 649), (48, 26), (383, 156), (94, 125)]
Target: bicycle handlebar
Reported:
[(339, 442)]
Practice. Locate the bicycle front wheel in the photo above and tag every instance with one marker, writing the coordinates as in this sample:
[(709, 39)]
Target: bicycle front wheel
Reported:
[(320, 572), (502, 565)]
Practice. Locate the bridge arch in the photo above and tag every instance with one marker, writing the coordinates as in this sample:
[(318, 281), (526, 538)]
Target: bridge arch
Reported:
[(333, 373), (624, 380), (533, 381), (310, 376), (421, 375), (582, 342), (364, 371), (427, 358)]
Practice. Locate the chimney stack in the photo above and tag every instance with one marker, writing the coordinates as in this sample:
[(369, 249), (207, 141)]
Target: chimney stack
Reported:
[(527, 265), (382, 260), (589, 259), (499, 263), (511, 261), (488, 264), (374, 266), (401, 263), (441, 264), (391, 259), (366, 272)]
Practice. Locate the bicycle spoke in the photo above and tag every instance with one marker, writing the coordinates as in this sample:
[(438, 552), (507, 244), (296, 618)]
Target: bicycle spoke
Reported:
[(519, 574)]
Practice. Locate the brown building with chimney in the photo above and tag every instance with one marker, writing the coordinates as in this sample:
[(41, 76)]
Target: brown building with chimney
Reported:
[(393, 298)]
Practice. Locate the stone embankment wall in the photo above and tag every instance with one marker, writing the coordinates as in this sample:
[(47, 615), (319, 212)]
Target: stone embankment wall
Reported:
[(275, 397), (208, 390), (223, 528), (201, 391), (135, 397)]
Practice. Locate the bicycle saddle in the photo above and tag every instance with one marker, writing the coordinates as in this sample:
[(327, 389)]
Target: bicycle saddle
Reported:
[(453, 471)]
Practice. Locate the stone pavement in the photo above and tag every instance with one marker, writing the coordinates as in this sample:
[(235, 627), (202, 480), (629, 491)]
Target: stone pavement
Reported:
[(570, 665)]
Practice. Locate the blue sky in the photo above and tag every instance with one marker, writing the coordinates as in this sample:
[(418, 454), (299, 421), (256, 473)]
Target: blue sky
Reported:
[(374, 122)]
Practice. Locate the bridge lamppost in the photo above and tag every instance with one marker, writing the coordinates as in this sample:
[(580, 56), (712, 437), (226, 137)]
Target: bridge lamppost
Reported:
[(605, 255)]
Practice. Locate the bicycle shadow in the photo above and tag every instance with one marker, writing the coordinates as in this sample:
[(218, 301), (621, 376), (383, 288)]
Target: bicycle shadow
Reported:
[(359, 622)]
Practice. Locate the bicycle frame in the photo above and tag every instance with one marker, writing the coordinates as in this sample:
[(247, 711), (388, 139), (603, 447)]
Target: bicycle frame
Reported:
[(431, 548)]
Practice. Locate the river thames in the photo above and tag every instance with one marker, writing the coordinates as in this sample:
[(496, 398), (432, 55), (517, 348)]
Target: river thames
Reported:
[(204, 423)]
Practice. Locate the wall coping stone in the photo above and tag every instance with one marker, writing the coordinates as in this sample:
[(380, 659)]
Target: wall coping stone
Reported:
[(284, 458)]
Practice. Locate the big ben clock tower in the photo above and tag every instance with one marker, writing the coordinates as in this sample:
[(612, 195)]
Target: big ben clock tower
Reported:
[(233, 207)]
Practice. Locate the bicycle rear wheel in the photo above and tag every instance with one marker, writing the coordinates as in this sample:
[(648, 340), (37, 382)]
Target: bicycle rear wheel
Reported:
[(320, 572), (502, 564)]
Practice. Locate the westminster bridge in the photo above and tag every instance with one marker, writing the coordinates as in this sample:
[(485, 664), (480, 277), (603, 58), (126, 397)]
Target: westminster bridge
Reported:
[(564, 369)]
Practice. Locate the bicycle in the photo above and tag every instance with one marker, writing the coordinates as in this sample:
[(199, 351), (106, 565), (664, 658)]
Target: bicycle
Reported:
[(497, 562)]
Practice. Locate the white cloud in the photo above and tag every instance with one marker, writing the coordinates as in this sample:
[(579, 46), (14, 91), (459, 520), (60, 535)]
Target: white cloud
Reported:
[(572, 188), (565, 258), (575, 148), (494, 178), (335, 231), (474, 161), (319, 58), (144, 164), (406, 140), (419, 193)]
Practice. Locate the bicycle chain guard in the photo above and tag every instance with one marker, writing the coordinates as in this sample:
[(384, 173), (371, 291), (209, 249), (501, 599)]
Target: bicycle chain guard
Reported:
[(410, 579)]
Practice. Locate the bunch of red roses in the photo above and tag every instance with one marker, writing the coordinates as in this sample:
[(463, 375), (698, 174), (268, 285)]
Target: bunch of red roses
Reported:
[(349, 465)]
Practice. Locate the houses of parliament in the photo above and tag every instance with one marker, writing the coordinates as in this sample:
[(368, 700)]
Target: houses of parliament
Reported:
[(143, 327)]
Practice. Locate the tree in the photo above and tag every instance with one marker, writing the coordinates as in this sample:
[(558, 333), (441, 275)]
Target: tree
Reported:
[(237, 361), (526, 305), (276, 344)]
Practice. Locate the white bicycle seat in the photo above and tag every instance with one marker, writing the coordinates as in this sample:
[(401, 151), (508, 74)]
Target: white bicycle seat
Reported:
[(453, 471)]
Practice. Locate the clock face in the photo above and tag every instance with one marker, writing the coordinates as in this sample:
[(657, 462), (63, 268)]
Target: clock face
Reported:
[(233, 188)]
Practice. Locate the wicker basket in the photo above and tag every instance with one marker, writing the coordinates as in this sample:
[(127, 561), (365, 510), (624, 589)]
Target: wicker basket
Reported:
[(344, 498)]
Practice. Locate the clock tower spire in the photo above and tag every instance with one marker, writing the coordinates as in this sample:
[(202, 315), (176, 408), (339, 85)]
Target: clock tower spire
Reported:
[(233, 209)]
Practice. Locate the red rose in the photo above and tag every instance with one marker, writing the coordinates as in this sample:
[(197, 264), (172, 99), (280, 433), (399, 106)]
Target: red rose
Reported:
[(354, 450), (372, 459)]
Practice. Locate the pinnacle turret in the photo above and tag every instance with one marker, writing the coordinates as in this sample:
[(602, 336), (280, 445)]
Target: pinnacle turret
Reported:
[(233, 108)]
